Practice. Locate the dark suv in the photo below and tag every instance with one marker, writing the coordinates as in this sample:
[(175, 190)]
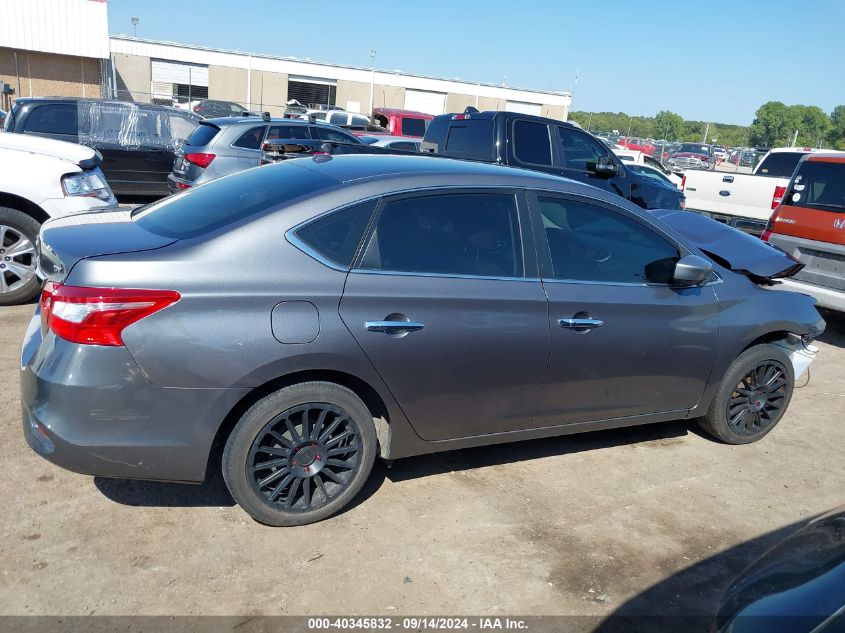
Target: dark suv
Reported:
[(547, 145), (138, 141), (223, 146)]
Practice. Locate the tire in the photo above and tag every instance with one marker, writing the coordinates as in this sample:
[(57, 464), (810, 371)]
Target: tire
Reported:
[(271, 436), (731, 422), (18, 233)]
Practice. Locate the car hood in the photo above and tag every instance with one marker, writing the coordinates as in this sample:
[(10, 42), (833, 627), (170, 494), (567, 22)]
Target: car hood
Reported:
[(80, 155), (730, 248)]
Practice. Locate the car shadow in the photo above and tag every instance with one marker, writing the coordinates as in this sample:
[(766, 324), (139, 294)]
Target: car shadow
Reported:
[(834, 333), (689, 599)]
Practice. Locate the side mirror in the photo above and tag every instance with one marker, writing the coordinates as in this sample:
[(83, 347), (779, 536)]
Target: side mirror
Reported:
[(692, 270), (605, 167)]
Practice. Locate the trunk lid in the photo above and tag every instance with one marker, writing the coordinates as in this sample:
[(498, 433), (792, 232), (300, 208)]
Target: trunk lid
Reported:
[(732, 249), (65, 241)]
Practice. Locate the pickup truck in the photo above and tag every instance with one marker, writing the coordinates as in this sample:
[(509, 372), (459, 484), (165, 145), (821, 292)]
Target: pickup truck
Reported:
[(744, 201), (547, 145)]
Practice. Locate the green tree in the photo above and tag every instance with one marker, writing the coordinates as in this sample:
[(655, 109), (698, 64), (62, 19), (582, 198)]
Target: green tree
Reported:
[(814, 127), (837, 131), (774, 124), (668, 125)]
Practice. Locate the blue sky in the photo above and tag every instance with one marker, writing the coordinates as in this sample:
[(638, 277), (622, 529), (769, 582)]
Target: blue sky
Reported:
[(712, 60)]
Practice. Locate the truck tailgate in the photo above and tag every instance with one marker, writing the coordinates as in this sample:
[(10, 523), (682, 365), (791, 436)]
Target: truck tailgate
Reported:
[(737, 195)]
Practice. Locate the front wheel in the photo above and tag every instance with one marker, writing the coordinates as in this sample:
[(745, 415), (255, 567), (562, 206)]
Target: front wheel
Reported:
[(300, 454), (18, 232), (753, 396)]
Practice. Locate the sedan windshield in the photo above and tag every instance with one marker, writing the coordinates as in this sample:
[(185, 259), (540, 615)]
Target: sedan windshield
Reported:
[(694, 149)]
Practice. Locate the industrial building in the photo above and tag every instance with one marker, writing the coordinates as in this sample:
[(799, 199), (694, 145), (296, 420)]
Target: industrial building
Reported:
[(62, 48)]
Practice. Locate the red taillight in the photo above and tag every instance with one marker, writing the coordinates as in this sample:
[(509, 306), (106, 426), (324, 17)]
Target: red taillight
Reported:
[(98, 316), (197, 158), (778, 197), (683, 182), (182, 185), (770, 226)]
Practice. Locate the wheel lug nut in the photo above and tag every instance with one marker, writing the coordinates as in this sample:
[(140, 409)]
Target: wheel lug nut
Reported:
[(7, 259)]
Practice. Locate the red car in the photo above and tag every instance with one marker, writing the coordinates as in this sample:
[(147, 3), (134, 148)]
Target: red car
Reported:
[(637, 145), (402, 122)]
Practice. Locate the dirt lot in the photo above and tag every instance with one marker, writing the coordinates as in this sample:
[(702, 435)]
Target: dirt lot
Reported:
[(648, 520)]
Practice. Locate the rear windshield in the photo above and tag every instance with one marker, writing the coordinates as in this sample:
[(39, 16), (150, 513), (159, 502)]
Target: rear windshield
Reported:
[(780, 164), (413, 127), (821, 186), (227, 200), (203, 134), (471, 139), (694, 149)]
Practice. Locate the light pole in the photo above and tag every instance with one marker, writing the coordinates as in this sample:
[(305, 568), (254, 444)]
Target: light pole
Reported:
[(372, 78), (134, 21)]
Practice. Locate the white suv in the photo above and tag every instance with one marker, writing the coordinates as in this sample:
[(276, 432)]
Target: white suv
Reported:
[(41, 179)]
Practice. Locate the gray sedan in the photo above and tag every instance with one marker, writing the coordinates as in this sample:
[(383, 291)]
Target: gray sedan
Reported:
[(313, 315)]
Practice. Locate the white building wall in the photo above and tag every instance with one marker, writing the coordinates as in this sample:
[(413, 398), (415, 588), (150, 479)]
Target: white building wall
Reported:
[(66, 27)]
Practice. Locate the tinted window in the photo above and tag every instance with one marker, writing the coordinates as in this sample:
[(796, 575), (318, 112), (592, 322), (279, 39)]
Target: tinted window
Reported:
[(337, 236), (227, 200), (407, 146), (333, 134), (251, 139), (821, 186), (288, 132), (578, 150), (694, 149), (413, 127), (459, 234), (57, 118), (338, 118), (590, 243), (203, 134), (531, 143), (780, 164), (471, 139)]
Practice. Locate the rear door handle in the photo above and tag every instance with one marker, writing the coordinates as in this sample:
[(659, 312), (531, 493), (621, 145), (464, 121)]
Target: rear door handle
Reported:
[(581, 325), (393, 327)]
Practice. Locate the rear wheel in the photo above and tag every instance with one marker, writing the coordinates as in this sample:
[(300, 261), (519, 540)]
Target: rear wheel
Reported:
[(18, 232), (300, 454), (753, 396)]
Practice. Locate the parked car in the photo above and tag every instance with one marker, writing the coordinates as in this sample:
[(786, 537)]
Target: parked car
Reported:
[(638, 145), (402, 122), (692, 156), (213, 108), (744, 201), (810, 225), (40, 179), (747, 158), (340, 118), (314, 314), (138, 141), (541, 144), (648, 166), (795, 587), (219, 147), (3, 114), (405, 143)]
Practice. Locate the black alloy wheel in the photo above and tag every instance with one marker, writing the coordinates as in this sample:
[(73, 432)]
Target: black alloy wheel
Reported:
[(756, 402)]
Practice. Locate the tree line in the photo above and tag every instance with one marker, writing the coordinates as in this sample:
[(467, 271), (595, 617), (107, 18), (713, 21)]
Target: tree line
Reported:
[(775, 124)]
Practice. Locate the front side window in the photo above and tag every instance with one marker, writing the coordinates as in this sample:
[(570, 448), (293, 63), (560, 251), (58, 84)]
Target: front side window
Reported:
[(338, 235), (578, 150), (251, 139), (451, 234), (591, 243), (56, 118), (531, 143)]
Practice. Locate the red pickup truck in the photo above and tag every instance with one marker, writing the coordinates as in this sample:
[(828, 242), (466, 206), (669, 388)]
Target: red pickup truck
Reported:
[(638, 145), (402, 122)]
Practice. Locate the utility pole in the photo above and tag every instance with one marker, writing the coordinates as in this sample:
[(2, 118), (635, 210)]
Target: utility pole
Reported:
[(630, 121), (706, 132), (794, 138), (589, 120), (372, 78), (134, 21)]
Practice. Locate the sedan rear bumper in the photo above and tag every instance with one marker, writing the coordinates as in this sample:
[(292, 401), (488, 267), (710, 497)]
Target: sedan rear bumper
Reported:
[(91, 410)]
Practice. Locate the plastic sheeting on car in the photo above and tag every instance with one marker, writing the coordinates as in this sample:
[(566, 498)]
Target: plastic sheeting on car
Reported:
[(132, 126)]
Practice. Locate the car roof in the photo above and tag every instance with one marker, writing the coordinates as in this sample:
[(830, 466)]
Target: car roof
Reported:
[(415, 113), (493, 114), (830, 156), (116, 102)]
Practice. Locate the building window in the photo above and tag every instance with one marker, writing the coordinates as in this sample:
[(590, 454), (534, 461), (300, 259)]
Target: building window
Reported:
[(312, 95)]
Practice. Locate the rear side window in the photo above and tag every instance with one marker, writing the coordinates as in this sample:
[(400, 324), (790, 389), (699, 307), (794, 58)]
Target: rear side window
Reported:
[(413, 127), (338, 235), (473, 234), (780, 164), (531, 143), (228, 200), (251, 139), (288, 132), (333, 134), (203, 134), (471, 139), (821, 186), (54, 118)]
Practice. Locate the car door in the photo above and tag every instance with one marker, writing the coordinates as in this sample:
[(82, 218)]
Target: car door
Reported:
[(445, 302), (625, 340)]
